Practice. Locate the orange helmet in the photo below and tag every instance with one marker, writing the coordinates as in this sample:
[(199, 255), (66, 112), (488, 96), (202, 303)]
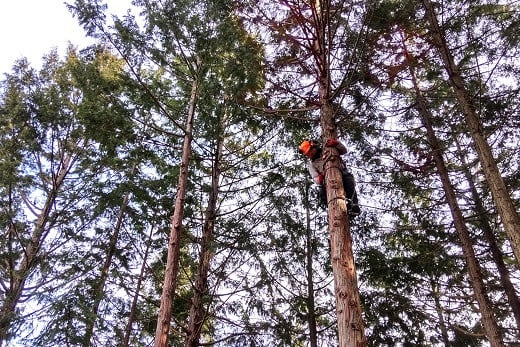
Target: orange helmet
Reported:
[(306, 146)]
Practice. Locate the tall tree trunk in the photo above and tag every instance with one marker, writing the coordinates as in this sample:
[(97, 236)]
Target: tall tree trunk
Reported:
[(474, 270), (20, 274), (100, 285), (351, 328), (172, 261), (200, 290), (311, 305), (489, 235), (504, 203), (133, 308)]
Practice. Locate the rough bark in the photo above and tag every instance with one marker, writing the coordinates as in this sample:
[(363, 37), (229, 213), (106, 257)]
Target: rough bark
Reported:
[(172, 260), (501, 197), (351, 329), (474, 271)]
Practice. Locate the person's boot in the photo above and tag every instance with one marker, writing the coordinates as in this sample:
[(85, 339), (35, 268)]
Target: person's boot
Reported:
[(349, 184), (323, 196), (353, 209)]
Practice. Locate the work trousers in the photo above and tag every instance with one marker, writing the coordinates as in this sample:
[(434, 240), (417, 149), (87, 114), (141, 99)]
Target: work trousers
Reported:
[(349, 184)]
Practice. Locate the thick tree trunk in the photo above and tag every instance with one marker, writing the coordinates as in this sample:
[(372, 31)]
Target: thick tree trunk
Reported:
[(351, 328), (172, 261), (504, 203), (200, 291), (474, 270), (21, 272)]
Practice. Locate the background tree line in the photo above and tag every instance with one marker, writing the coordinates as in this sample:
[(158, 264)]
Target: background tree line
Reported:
[(151, 190)]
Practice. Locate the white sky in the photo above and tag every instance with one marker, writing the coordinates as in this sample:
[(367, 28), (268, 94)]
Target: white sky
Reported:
[(32, 28)]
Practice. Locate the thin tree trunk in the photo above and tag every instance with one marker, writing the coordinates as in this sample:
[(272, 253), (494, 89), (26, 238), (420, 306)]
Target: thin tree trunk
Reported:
[(504, 203), (351, 329), (172, 261), (133, 308), (496, 253), (440, 314), (20, 274), (100, 286), (197, 310), (474, 270), (311, 306)]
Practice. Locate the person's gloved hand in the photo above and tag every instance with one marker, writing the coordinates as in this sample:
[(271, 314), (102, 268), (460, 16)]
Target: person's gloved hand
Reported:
[(332, 143), (319, 180)]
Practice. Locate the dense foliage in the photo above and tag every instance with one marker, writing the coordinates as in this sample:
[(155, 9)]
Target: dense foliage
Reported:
[(90, 157)]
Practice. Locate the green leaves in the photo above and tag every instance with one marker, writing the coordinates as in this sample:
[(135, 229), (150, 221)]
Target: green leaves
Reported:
[(109, 120)]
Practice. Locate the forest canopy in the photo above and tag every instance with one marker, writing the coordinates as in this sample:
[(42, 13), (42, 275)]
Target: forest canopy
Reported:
[(152, 190)]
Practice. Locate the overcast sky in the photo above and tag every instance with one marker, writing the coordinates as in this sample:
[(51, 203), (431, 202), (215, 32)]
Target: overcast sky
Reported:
[(31, 28)]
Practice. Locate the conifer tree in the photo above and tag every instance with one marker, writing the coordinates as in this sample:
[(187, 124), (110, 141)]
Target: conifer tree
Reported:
[(502, 198), (251, 254), (312, 35), (159, 17), (57, 167), (483, 220), (474, 270), (393, 71)]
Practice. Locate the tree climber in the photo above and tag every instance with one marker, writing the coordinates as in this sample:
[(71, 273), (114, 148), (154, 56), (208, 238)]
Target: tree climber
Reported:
[(316, 166)]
